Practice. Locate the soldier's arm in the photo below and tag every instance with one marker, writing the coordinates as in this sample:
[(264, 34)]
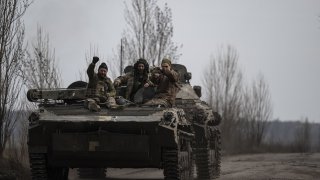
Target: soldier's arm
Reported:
[(154, 76), (172, 75), (122, 79), (118, 79), (151, 84), (90, 70), (150, 80), (111, 89)]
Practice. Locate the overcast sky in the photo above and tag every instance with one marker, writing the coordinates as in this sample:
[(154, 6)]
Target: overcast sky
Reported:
[(278, 38)]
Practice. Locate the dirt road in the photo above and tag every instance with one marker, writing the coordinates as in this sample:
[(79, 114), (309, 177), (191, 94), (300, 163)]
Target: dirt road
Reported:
[(272, 167), (246, 167)]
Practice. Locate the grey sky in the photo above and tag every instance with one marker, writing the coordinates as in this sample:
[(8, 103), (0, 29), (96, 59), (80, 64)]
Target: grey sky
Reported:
[(279, 38)]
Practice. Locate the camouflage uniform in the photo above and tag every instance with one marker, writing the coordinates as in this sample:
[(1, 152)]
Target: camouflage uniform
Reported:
[(167, 87), (135, 80), (99, 88)]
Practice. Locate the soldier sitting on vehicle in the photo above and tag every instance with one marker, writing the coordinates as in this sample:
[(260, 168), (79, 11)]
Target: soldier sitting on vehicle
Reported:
[(100, 88), (128, 69), (166, 80), (136, 79)]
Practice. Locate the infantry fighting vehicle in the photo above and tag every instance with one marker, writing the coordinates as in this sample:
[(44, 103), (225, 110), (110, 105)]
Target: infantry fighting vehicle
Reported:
[(63, 134)]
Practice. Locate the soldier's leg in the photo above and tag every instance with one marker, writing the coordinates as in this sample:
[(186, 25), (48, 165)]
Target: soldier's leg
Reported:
[(92, 105), (157, 102), (111, 103)]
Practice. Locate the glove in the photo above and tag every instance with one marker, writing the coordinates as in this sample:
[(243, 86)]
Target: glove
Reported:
[(95, 59)]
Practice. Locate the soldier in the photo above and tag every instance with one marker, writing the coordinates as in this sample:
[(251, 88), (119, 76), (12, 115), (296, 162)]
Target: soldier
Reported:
[(100, 88), (166, 80), (135, 79)]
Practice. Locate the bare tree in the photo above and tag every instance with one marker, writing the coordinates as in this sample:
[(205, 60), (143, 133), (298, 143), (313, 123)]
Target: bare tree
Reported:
[(11, 54), (223, 85), (40, 69), (164, 47), (17, 145), (148, 35), (302, 141), (256, 111)]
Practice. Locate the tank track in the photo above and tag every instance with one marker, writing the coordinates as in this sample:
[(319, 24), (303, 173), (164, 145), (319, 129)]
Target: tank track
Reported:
[(38, 166), (215, 153), (178, 164), (171, 167), (40, 170), (208, 157)]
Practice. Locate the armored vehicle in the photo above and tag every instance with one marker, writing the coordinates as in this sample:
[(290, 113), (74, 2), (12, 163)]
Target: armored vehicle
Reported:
[(63, 134)]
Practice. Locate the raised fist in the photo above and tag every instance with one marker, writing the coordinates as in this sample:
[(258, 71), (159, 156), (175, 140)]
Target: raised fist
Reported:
[(95, 59)]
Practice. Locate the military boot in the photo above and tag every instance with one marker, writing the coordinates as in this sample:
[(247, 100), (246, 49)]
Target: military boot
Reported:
[(111, 104), (92, 105)]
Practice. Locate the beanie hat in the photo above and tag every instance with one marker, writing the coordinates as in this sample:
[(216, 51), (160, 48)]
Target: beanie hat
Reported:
[(103, 65), (144, 62), (166, 60)]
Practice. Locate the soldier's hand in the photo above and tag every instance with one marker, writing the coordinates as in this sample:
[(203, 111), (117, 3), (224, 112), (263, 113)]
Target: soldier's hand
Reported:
[(95, 59), (116, 84), (146, 85), (166, 71)]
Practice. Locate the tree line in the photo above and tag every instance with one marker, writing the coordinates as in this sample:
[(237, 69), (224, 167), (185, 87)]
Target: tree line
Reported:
[(245, 108)]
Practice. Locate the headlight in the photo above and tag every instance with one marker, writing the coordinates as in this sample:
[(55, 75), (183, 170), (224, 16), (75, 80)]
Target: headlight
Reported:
[(33, 118)]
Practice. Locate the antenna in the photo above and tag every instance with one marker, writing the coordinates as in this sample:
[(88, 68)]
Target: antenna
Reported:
[(121, 52)]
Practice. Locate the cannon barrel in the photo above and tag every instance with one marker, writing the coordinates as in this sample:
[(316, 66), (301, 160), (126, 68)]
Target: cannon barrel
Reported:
[(35, 95)]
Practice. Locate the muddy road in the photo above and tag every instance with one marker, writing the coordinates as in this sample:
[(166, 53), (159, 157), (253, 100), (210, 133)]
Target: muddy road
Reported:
[(272, 166), (253, 167)]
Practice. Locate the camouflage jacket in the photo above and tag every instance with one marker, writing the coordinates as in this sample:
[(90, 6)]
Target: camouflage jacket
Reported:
[(99, 86), (167, 85), (133, 83)]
